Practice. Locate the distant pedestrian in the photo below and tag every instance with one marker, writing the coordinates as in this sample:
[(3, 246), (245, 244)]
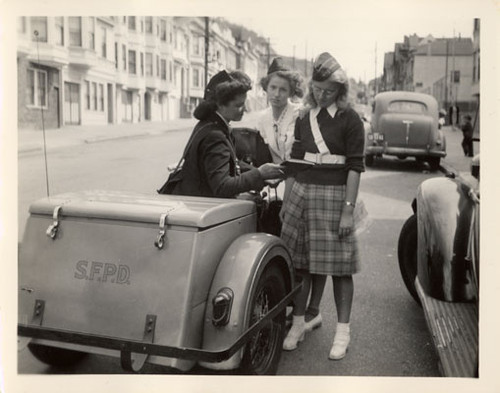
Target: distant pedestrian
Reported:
[(442, 118), (467, 131)]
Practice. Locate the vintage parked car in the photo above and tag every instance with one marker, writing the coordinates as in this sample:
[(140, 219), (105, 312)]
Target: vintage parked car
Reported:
[(168, 280), (438, 253), (405, 124)]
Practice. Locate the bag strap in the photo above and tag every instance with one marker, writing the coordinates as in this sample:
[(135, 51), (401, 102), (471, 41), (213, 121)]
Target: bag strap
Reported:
[(188, 145), (318, 138)]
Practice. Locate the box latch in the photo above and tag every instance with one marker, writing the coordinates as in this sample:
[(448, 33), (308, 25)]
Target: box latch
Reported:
[(160, 239), (52, 229)]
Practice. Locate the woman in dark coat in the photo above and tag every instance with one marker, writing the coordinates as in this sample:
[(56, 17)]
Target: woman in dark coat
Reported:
[(210, 166)]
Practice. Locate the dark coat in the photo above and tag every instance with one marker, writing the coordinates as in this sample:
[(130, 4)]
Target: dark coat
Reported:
[(210, 166)]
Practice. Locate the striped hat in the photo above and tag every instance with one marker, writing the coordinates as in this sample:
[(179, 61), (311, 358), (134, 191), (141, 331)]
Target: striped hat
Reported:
[(325, 66)]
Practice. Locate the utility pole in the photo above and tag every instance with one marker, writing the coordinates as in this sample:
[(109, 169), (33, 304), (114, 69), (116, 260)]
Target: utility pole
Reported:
[(207, 43), (268, 52), (375, 83), (446, 76), (305, 62)]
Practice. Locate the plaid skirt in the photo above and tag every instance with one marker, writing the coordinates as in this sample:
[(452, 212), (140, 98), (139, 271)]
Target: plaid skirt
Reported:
[(310, 230)]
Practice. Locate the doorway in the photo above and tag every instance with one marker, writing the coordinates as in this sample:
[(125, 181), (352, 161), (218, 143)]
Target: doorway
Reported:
[(71, 103)]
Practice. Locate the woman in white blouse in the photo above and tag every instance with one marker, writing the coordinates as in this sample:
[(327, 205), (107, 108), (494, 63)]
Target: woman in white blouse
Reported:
[(277, 122)]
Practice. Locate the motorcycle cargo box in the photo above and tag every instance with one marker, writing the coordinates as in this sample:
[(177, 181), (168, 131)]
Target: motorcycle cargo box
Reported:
[(99, 263)]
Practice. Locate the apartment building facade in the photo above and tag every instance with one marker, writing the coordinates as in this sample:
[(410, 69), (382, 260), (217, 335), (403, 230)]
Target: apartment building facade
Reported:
[(440, 67), (113, 69)]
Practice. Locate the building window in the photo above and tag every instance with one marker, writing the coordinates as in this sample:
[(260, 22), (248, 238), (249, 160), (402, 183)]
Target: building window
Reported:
[(196, 46), (124, 56), (39, 24), (163, 35), (131, 62), (455, 76), (101, 97), (196, 78), (87, 94), (116, 55), (131, 23), (163, 69), (142, 63), (91, 33), (157, 65), (59, 30), (419, 84), (75, 30), (149, 64), (149, 24), (21, 25), (37, 87), (104, 38), (170, 72), (94, 96)]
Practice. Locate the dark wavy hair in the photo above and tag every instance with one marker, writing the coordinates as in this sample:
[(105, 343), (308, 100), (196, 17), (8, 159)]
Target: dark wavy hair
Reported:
[(294, 78), (224, 93), (340, 100)]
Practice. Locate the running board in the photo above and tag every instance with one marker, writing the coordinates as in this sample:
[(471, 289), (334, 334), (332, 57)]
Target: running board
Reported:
[(454, 330)]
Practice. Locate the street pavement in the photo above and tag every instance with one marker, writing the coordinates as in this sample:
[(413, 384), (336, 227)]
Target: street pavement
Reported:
[(30, 141)]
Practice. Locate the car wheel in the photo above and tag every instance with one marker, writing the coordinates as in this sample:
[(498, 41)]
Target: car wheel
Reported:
[(407, 255), (402, 157), (369, 159), (263, 350), (56, 356), (434, 162)]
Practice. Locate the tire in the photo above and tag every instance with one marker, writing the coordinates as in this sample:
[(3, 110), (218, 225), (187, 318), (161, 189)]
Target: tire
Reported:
[(407, 255), (263, 350), (57, 357), (402, 157), (369, 159), (434, 162)]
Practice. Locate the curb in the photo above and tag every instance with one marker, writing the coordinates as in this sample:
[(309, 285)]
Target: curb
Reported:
[(97, 139)]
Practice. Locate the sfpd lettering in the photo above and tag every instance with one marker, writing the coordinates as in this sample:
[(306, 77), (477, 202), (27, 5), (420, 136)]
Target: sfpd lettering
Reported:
[(103, 272)]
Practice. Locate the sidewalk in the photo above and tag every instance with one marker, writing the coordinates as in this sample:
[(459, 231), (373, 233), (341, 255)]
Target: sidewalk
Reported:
[(455, 157), (67, 136), (31, 141)]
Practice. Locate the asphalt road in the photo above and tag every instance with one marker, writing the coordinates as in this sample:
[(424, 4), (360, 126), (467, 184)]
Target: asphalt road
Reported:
[(389, 335)]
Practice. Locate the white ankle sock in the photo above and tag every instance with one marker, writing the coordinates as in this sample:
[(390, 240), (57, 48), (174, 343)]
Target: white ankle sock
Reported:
[(298, 320), (343, 327)]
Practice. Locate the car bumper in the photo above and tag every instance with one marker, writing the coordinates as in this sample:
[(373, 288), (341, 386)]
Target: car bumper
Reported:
[(403, 151), (129, 349)]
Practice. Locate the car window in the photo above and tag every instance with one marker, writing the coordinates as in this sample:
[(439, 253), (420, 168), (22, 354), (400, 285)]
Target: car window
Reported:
[(407, 107)]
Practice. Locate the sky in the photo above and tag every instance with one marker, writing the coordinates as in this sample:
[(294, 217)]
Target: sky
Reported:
[(354, 42)]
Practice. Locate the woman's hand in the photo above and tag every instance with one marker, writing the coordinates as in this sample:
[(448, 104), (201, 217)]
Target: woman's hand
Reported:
[(346, 225), (271, 171)]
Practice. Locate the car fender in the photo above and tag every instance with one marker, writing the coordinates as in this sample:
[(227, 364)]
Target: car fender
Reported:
[(444, 214), (239, 269)]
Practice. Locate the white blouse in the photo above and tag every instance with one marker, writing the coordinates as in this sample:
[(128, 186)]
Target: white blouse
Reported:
[(278, 134)]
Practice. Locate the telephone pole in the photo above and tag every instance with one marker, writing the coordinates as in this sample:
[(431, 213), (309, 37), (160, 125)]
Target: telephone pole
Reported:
[(207, 43)]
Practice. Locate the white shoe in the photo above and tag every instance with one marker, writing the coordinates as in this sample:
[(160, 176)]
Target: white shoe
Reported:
[(314, 323), (295, 335), (340, 344)]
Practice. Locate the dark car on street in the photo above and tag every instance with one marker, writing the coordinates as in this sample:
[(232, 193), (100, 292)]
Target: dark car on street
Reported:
[(405, 124)]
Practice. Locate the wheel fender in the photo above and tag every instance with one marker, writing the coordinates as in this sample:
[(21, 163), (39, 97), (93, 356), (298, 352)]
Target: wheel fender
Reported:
[(239, 269), (442, 221)]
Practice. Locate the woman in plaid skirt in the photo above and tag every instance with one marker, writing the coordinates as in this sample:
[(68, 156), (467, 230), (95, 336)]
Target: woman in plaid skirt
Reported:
[(318, 219)]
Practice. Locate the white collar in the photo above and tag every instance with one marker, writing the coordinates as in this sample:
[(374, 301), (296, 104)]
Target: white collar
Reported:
[(332, 110)]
